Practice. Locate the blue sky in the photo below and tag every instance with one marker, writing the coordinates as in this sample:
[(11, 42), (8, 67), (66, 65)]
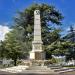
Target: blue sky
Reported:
[(8, 9)]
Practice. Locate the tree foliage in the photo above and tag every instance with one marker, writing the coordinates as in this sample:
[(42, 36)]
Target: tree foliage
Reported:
[(15, 45), (71, 49)]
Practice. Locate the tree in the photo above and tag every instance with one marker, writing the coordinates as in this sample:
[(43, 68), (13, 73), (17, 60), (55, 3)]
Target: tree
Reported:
[(14, 44), (49, 16), (71, 35), (71, 49)]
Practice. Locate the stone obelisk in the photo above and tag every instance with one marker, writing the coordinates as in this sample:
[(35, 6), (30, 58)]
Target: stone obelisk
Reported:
[(37, 52)]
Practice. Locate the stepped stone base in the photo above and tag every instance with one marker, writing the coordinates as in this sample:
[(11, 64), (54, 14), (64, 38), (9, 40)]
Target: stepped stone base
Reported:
[(36, 70)]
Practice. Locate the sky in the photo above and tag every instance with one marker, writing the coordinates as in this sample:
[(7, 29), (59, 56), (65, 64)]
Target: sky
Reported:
[(9, 8)]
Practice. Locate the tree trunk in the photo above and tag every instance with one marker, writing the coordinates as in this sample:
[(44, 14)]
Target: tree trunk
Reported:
[(15, 62)]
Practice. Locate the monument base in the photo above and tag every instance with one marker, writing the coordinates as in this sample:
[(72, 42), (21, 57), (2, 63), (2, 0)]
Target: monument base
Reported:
[(37, 55)]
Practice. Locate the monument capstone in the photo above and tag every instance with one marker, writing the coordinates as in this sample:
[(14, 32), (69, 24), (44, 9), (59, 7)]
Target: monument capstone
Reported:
[(37, 52)]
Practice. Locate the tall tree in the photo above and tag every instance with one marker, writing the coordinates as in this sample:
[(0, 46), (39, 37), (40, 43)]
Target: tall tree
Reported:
[(71, 38), (15, 45)]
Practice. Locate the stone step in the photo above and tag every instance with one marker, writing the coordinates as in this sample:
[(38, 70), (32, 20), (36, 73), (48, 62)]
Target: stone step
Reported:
[(38, 68), (55, 67), (62, 69)]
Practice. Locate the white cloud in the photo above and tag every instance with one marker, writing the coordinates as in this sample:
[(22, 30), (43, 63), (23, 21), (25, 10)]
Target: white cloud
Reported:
[(3, 31)]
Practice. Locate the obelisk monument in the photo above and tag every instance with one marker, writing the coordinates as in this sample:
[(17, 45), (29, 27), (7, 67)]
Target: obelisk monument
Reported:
[(37, 52)]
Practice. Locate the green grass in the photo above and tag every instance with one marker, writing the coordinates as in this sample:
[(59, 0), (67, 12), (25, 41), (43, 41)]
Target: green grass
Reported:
[(70, 67)]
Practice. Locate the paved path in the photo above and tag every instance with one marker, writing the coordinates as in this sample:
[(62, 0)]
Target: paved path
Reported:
[(6, 73), (69, 73)]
